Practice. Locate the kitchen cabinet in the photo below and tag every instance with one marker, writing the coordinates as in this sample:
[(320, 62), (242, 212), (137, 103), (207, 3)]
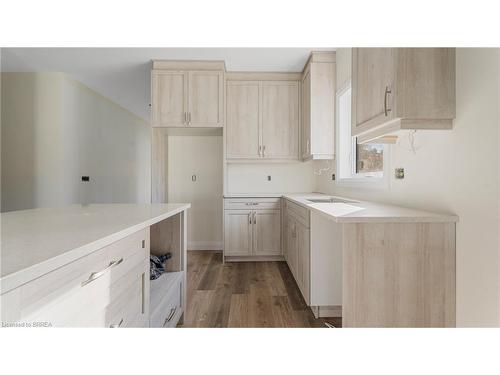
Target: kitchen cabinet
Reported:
[(292, 245), (401, 88), (298, 246), (243, 120), (262, 118), (303, 264), (238, 232), (267, 232), (280, 120), (318, 106), (169, 96), (187, 94), (254, 231)]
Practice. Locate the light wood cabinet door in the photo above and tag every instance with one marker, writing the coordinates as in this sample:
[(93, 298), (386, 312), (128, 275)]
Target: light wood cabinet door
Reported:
[(280, 119), (292, 245), (267, 232), (205, 99), (303, 256), (306, 116), (169, 98), (242, 128), (372, 79), (238, 232)]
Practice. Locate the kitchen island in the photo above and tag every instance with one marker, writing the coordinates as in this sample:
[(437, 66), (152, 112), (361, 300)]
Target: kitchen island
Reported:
[(88, 265)]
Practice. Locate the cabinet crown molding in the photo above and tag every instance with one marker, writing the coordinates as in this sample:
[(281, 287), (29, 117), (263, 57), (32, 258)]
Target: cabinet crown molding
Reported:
[(189, 65), (263, 76), (321, 57)]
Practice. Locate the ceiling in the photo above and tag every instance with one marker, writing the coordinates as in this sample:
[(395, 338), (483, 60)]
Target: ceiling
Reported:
[(122, 74)]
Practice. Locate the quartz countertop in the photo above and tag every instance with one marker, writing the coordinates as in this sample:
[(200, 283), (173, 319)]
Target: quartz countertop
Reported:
[(37, 241), (355, 210)]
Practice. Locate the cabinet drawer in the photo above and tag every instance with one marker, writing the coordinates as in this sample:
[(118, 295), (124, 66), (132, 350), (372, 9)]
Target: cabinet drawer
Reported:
[(166, 303), (78, 293), (129, 308), (252, 203), (299, 212)]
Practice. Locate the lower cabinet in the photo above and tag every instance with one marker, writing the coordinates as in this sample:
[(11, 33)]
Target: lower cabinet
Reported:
[(238, 232), (297, 245), (303, 266), (252, 232), (266, 232)]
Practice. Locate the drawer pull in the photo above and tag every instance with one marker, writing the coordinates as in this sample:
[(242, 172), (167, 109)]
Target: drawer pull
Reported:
[(116, 325), (95, 275), (171, 315)]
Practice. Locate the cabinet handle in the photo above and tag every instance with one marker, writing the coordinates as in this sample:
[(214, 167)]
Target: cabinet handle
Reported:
[(260, 151), (185, 118), (254, 217), (249, 218), (189, 118), (387, 92), (95, 275), (170, 316), (264, 151), (116, 325)]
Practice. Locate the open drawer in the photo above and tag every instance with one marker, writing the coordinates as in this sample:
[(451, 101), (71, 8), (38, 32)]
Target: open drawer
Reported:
[(166, 301)]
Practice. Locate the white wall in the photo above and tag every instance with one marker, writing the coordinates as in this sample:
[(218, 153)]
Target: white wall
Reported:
[(200, 156), (285, 178), (54, 130), (458, 172)]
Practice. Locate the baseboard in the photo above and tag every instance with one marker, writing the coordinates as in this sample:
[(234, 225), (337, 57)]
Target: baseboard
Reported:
[(204, 245), (327, 311), (270, 258)]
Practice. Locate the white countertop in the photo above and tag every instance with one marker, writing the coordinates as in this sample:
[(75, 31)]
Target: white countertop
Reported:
[(38, 241), (357, 211)]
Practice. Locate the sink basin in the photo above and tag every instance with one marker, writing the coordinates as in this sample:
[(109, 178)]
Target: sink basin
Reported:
[(330, 200)]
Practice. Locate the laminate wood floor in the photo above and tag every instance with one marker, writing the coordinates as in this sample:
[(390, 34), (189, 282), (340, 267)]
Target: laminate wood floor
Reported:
[(244, 294)]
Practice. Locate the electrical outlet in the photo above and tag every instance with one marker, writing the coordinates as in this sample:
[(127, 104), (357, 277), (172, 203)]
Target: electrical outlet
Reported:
[(399, 173), (333, 176), (268, 178), (85, 178)]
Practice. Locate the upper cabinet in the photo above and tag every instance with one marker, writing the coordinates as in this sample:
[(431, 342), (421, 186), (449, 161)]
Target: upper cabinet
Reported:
[(262, 116), (318, 106), (187, 94), (401, 88)]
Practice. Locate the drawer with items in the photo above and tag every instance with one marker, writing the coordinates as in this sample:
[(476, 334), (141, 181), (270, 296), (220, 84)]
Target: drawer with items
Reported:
[(83, 293), (166, 300), (252, 203)]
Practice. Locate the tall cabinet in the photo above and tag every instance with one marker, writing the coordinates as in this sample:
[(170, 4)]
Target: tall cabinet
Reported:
[(187, 94), (318, 106)]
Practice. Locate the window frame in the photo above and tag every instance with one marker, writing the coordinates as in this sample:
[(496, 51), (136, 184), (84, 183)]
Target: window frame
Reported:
[(364, 180)]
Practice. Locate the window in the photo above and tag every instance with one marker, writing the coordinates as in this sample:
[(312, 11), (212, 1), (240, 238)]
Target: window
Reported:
[(356, 163)]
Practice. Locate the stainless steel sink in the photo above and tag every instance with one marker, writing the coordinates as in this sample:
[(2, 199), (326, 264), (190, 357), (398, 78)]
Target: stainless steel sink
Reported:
[(330, 200)]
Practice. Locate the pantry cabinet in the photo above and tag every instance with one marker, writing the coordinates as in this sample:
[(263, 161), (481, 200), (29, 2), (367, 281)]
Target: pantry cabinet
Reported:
[(318, 106), (262, 118), (401, 88), (187, 94), (252, 227)]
